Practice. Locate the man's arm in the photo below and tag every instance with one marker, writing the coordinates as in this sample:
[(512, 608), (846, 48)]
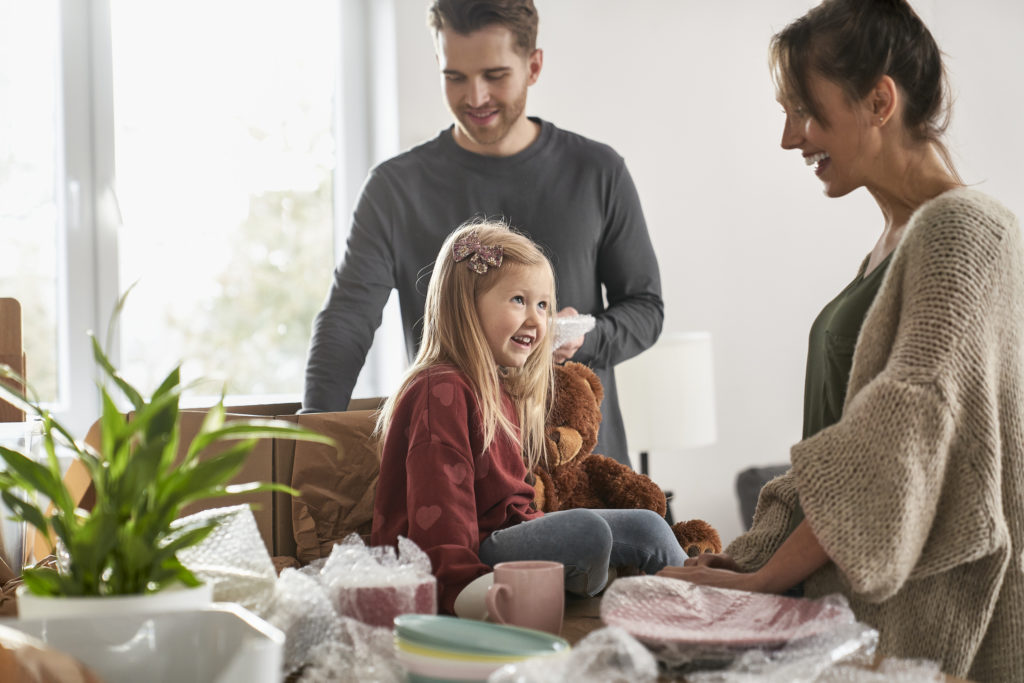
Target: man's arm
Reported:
[(343, 330), (628, 269)]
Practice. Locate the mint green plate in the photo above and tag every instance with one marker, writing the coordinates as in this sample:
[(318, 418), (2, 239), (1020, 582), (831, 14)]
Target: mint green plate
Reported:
[(469, 636)]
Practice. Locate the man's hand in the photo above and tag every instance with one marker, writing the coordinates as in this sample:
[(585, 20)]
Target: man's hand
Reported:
[(567, 350)]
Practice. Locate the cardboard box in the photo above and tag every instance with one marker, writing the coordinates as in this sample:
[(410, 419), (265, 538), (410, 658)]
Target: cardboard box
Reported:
[(274, 460)]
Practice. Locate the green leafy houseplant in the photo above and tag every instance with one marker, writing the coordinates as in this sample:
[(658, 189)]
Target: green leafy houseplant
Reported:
[(126, 544)]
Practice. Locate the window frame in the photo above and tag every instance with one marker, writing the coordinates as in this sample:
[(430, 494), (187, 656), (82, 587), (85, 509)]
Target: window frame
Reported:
[(89, 218)]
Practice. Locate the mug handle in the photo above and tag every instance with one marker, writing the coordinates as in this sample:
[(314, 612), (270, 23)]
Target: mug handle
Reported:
[(491, 599)]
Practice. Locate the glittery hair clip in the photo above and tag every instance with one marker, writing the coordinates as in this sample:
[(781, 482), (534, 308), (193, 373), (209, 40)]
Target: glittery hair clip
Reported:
[(480, 257)]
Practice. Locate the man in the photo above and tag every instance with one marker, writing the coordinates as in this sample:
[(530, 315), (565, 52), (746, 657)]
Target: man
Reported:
[(571, 195)]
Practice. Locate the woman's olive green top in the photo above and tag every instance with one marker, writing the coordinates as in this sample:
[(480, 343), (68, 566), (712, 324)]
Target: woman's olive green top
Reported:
[(830, 348)]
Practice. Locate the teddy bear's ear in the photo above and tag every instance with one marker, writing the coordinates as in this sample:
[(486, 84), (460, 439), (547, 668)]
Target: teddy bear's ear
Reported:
[(582, 371)]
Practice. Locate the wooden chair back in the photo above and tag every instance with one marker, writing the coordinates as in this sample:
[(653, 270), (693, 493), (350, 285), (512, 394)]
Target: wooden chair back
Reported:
[(12, 353)]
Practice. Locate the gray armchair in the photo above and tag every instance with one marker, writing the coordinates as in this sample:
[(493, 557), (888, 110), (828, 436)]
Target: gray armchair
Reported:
[(748, 487)]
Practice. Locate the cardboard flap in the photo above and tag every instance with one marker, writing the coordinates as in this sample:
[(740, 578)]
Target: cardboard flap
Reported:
[(336, 488)]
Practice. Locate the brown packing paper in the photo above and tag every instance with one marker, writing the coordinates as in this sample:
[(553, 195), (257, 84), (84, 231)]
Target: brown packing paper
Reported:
[(336, 489)]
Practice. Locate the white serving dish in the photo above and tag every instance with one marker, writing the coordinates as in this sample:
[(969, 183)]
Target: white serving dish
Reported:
[(221, 643)]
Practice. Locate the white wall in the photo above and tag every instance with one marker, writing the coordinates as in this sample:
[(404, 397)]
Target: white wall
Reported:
[(749, 247)]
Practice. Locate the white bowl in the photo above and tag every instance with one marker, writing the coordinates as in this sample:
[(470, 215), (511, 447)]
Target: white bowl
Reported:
[(221, 643)]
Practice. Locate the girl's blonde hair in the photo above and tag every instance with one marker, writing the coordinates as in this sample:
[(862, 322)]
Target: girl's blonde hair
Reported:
[(452, 334)]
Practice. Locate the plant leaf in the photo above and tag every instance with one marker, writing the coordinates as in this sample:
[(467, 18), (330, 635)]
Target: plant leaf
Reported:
[(127, 389), (34, 477), (257, 429), (25, 510), (43, 581), (252, 487)]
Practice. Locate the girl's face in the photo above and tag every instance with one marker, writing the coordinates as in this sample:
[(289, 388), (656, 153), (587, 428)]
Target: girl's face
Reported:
[(514, 313), (841, 152)]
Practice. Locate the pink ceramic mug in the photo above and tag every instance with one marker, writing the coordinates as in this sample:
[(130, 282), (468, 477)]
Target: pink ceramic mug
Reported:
[(529, 594), (379, 605)]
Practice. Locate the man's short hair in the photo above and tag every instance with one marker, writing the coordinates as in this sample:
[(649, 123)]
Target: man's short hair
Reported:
[(466, 16)]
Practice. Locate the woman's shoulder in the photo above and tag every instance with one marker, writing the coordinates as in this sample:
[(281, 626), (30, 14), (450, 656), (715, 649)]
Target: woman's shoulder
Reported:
[(964, 209)]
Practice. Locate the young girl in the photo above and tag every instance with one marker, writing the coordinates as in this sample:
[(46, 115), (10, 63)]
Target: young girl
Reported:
[(468, 422)]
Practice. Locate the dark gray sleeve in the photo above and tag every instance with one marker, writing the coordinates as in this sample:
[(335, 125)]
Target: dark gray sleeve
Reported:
[(628, 269), (343, 330)]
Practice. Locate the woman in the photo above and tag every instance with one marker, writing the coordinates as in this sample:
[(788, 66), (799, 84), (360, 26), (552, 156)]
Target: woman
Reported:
[(906, 492)]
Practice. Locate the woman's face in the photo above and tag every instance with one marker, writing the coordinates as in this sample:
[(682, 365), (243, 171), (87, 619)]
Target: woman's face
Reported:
[(841, 152)]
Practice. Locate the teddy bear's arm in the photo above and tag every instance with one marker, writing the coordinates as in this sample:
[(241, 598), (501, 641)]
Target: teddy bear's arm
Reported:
[(622, 488)]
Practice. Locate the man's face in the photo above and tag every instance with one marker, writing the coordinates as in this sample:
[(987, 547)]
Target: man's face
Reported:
[(485, 80)]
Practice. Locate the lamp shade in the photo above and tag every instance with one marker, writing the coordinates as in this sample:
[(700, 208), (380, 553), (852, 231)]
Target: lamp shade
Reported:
[(667, 394)]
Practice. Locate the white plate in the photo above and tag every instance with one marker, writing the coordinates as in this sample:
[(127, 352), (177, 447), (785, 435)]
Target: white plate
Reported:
[(222, 643)]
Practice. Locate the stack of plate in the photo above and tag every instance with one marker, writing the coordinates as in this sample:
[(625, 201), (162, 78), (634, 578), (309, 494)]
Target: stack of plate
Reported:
[(439, 648)]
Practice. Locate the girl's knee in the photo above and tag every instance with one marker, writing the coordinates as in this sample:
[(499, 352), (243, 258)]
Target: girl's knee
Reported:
[(590, 528)]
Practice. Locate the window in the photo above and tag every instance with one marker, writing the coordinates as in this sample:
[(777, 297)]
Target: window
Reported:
[(28, 154), (224, 155), (189, 150)]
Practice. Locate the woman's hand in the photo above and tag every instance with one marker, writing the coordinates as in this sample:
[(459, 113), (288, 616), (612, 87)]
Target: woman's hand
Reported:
[(798, 557), (708, 575), (715, 560)]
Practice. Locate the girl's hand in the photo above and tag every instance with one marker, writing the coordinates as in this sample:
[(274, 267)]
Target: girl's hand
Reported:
[(714, 560), (719, 578)]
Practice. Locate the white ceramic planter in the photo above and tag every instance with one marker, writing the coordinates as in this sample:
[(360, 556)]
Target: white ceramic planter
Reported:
[(221, 643), (32, 606)]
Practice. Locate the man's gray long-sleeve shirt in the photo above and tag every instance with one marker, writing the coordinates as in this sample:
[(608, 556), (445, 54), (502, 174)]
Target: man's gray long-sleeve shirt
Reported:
[(571, 195)]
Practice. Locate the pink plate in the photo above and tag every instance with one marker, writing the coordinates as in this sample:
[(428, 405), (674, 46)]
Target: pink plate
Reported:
[(663, 611)]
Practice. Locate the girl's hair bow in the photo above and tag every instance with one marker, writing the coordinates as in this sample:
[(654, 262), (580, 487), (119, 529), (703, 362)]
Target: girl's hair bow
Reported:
[(480, 257)]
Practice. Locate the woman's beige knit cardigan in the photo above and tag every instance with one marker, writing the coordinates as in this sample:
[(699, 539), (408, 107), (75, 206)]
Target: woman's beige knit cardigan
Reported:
[(917, 493)]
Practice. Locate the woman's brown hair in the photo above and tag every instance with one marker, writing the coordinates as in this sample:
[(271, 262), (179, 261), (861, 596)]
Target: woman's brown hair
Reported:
[(853, 43)]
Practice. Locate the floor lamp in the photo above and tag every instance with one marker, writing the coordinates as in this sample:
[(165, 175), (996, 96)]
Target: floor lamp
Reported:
[(667, 397)]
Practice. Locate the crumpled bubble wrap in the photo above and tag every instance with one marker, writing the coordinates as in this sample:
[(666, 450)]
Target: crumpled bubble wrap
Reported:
[(360, 653), (888, 671), (570, 327), (376, 584), (693, 627), (317, 608), (233, 558), (608, 655), (304, 614)]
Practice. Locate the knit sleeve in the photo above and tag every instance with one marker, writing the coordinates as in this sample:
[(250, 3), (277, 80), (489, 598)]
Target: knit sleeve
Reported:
[(879, 488), (776, 516), (343, 329), (870, 484)]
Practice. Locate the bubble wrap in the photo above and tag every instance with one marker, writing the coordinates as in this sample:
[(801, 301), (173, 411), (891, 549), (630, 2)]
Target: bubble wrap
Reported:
[(233, 558), (570, 327), (302, 611), (358, 654), (319, 610), (374, 585), (608, 655), (694, 627)]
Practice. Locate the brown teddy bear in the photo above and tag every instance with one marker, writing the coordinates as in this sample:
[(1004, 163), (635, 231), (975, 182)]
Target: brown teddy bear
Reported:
[(572, 476)]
